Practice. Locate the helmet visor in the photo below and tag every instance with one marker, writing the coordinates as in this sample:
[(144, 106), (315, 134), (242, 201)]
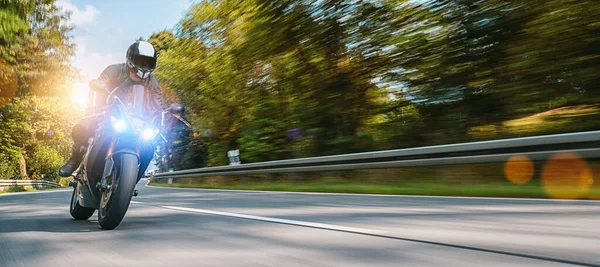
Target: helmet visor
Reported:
[(143, 63)]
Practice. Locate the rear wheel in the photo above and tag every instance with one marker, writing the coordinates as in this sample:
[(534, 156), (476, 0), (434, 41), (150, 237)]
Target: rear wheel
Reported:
[(79, 212), (114, 201)]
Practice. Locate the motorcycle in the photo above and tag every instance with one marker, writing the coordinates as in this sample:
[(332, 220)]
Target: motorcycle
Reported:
[(116, 157), (177, 129)]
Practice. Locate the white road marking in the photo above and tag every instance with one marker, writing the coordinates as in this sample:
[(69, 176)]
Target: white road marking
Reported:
[(283, 221), (137, 202)]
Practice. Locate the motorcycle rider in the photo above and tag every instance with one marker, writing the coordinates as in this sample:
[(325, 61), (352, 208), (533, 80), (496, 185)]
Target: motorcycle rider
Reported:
[(140, 63)]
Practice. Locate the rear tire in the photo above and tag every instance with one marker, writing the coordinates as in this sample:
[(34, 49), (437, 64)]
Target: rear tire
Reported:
[(115, 201), (77, 211)]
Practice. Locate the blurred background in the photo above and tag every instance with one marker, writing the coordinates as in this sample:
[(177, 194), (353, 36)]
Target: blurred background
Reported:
[(290, 79)]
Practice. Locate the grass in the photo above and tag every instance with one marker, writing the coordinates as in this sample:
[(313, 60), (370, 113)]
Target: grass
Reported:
[(16, 189), (426, 188)]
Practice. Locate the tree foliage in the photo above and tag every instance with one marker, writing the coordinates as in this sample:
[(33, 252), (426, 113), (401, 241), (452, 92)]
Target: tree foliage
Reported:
[(284, 79), (35, 43), (35, 80), (37, 128)]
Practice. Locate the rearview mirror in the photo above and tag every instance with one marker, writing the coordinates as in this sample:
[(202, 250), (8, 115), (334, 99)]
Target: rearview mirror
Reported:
[(176, 108)]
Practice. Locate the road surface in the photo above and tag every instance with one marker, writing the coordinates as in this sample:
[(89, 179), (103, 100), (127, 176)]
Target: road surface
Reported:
[(187, 227)]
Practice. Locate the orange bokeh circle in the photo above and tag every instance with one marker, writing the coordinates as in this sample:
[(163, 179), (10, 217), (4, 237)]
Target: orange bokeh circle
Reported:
[(519, 169), (566, 176)]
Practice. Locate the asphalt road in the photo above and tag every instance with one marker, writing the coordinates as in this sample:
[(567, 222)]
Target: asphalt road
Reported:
[(186, 227)]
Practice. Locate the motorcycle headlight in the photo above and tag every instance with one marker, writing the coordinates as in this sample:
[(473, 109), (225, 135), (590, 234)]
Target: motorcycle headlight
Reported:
[(118, 124), (149, 134)]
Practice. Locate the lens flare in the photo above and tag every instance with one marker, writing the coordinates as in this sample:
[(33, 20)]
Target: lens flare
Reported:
[(149, 134), (566, 176), (79, 95), (519, 169), (118, 125)]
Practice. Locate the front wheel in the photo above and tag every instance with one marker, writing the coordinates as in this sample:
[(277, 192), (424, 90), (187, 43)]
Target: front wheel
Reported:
[(114, 201), (77, 211)]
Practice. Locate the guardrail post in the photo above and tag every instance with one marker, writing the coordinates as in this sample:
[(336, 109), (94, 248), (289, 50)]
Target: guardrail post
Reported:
[(170, 181)]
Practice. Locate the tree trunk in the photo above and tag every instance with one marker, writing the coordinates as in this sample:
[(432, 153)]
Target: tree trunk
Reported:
[(22, 167)]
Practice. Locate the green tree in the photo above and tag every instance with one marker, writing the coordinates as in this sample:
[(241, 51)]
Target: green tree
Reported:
[(13, 15), (45, 160), (162, 40), (35, 47), (36, 129), (283, 79), (252, 71), (35, 41)]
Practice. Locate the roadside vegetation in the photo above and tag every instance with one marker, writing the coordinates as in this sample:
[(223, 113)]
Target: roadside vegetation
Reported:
[(279, 79), (478, 180)]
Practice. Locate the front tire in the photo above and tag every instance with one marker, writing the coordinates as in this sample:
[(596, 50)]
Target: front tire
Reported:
[(115, 200), (77, 211)]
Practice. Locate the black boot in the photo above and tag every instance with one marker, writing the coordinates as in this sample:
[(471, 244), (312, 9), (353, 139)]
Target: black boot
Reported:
[(73, 163)]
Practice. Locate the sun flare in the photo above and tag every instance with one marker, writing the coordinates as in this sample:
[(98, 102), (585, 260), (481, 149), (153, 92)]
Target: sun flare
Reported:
[(79, 95)]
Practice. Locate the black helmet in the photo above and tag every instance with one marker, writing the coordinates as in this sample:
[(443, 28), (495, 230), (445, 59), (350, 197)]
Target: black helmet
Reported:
[(141, 59)]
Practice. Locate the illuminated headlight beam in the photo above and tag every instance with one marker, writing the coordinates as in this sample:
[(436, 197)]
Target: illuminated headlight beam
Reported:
[(118, 125), (149, 134)]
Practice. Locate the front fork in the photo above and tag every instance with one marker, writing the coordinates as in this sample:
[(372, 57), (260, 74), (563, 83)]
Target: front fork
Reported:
[(117, 146), (143, 152), (107, 174)]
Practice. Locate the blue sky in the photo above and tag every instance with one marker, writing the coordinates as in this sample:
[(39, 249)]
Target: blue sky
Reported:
[(104, 29)]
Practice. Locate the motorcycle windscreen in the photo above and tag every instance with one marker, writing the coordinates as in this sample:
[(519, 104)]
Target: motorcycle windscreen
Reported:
[(140, 105), (139, 100)]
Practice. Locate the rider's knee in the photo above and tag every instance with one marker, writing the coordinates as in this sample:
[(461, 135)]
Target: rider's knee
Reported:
[(79, 134)]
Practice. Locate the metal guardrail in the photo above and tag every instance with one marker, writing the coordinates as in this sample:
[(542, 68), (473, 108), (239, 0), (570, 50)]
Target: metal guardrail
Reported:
[(585, 144), (5, 184)]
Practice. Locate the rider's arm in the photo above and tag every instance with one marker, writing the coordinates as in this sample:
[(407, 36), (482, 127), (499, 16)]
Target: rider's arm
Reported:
[(157, 94), (110, 76), (107, 80)]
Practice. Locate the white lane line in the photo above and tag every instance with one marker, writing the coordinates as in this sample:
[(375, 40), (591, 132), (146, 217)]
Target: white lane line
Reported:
[(381, 234), (137, 202), (283, 221), (36, 192), (379, 195)]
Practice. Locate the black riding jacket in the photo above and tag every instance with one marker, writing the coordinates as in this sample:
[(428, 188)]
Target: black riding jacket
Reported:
[(116, 75)]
